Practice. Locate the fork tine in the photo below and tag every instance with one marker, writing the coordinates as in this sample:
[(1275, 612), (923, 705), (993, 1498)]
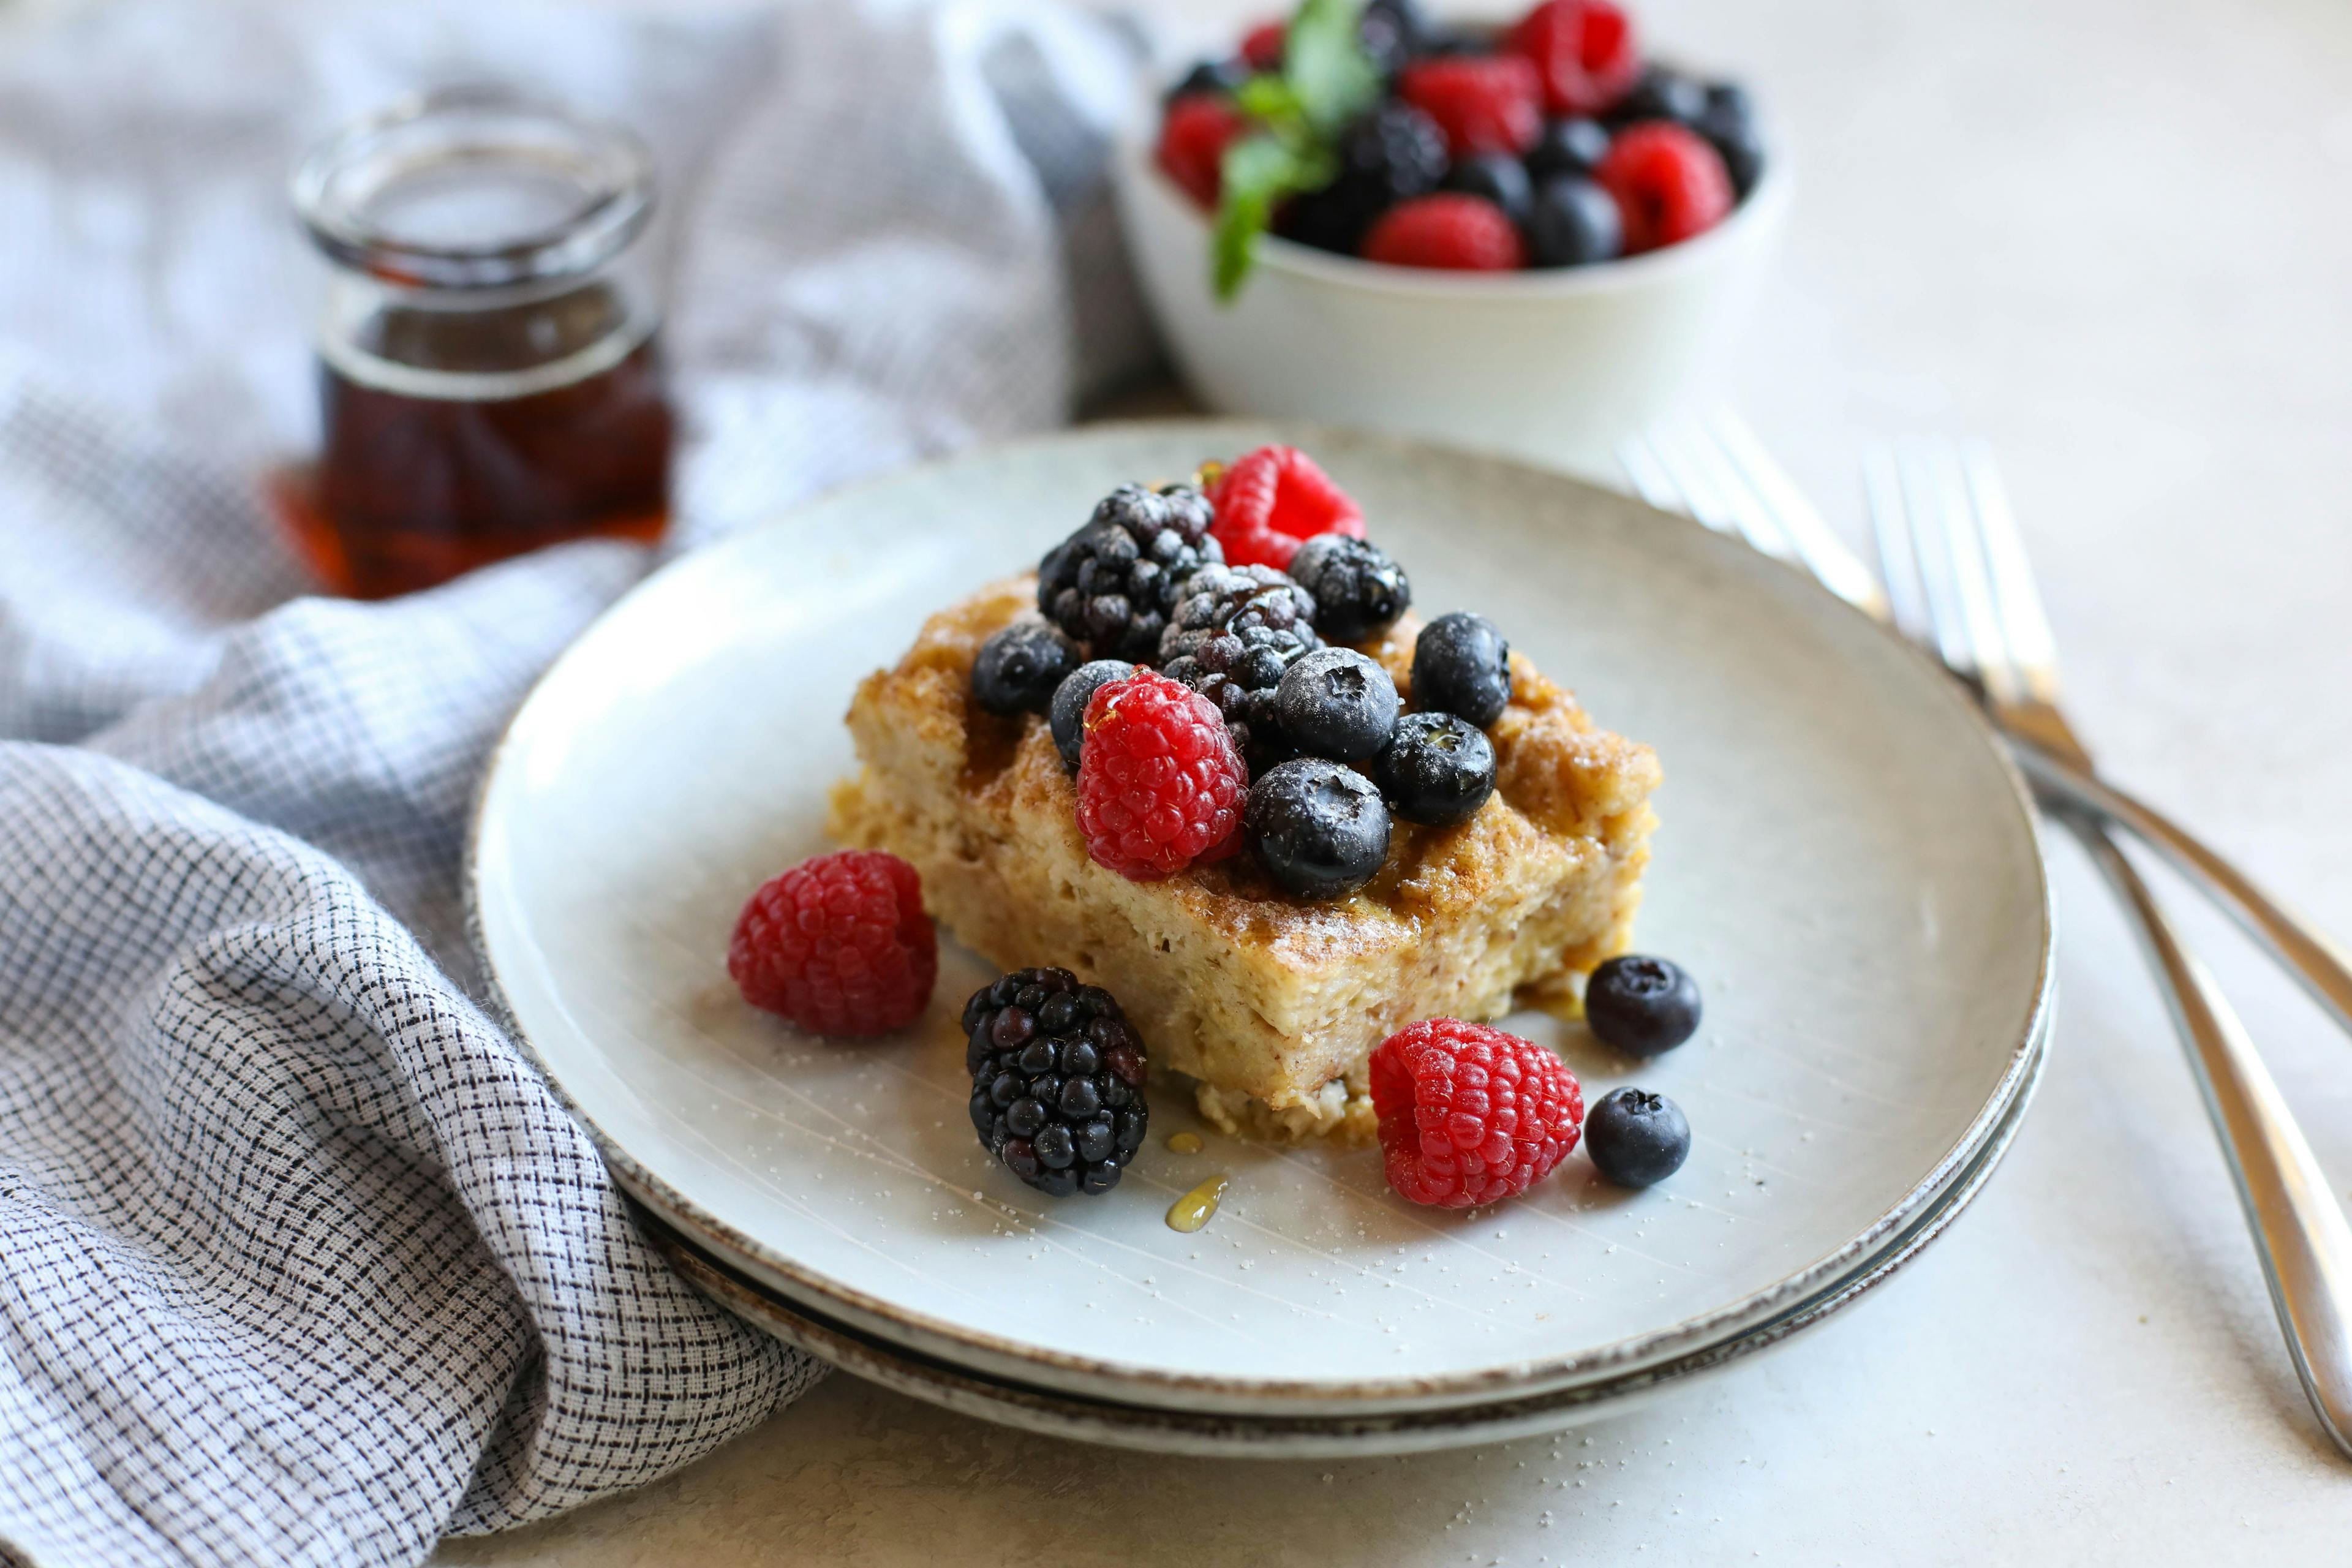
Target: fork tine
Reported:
[(1890, 529), (1923, 509), (1748, 512), (2016, 601), (1690, 479), (1711, 493), (1826, 556), (1971, 583), (1649, 476)]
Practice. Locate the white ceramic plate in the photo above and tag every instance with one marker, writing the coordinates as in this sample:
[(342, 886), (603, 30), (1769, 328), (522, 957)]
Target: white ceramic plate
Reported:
[(1345, 1436), (1846, 863)]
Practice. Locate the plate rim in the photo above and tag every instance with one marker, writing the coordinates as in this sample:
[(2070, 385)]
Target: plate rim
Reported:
[(926, 1333), (1228, 1434)]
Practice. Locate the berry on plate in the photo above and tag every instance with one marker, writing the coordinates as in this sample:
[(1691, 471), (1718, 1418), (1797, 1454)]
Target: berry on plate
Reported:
[(1193, 138), (1021, 666), (1470, 1115), (1670, 185), (1337, 703), (1269, 500), (1641, 1005), (1235, 632), (1462, 665), (1356, 587), (1584, 50), (1572, 221), (1114, 583), (1067, 716), (1320, 827), (1159, 784), (1438, 769), (1450, 231), (1483, 103), (839, 944), (1637, 1139), (1057, 1080)]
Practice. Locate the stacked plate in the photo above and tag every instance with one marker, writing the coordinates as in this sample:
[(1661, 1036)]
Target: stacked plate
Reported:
[(1846, 862)]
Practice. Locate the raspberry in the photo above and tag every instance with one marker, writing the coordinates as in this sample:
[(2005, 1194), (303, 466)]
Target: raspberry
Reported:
[(1669, 183), (1159, 784), (1262, 46), (1585, 52), (1470, 1115), (1483, 103), (1462, 234), (1193, 141), (1269, 500), (839, 944)]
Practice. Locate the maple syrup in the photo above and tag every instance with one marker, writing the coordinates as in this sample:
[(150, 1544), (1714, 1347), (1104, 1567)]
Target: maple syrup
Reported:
[(489, 378)]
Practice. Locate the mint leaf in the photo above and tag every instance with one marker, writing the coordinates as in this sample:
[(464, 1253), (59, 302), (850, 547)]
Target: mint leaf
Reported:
[(1258, 171), (1326, 80), (1324, 62)]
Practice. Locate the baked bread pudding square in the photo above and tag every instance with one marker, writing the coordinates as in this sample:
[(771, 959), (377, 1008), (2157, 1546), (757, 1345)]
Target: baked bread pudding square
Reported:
[(1271, 1003)]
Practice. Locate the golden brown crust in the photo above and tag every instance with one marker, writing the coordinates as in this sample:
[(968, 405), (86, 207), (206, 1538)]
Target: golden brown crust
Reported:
[(1261, 997)]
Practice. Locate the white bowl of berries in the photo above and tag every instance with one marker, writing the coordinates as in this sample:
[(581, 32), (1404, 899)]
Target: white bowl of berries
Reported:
[(1528, 238)]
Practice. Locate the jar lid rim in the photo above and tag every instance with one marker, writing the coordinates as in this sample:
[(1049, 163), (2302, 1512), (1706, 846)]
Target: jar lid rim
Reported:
[(335, 183)]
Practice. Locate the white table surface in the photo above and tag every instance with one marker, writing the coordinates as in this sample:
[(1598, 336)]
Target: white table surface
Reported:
[(2115, 239)]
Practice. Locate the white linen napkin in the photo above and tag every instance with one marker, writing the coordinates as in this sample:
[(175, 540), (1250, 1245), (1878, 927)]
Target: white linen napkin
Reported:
[(302, 1263)]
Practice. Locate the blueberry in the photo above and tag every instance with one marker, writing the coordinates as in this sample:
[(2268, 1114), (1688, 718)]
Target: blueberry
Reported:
[(1662, 94), (1019, 667), (1498, 177), (1637, 1139), (1318, 827), (1641, 1005), (1390, 32), (1068, 717), (1357, 589), (1573, 222), (1437, 770), (1729, 128), (1568, 147), (1337, 703), (1462, 665), (1727, 101), (1211, 75)]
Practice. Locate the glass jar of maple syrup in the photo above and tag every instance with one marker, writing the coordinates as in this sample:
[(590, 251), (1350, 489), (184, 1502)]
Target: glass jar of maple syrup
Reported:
[(488, 377)]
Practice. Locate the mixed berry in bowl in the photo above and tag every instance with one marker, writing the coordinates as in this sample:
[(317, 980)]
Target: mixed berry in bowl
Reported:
[(1363, 128)]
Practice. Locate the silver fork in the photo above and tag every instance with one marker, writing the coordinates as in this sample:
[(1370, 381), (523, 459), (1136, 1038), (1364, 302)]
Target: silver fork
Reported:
[(1958, 581)]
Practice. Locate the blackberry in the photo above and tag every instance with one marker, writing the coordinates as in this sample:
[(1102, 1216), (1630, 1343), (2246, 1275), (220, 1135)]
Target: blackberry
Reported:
[(1020, 666), (1057, 1080), (1111, 584), (1233, 633), (1068, 714), (1356, 587), (1388, 154)]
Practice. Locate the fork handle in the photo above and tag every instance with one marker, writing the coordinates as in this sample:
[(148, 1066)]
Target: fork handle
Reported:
[(2313, 957), (2299, 1232)]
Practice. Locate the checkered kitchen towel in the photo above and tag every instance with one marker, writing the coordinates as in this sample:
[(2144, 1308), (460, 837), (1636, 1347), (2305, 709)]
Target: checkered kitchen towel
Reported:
[(300, 1263)]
